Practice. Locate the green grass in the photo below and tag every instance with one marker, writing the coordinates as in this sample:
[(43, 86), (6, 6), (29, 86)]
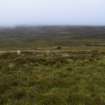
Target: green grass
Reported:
[(52, 78)]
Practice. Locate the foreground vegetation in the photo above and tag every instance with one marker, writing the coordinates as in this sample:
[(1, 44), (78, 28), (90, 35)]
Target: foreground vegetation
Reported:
[(52, 78)]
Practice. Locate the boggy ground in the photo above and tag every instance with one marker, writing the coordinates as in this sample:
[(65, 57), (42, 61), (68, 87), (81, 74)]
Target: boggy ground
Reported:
[(52, 78)]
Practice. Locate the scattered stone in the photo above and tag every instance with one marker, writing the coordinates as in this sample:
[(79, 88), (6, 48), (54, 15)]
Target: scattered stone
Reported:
[(18, 52)]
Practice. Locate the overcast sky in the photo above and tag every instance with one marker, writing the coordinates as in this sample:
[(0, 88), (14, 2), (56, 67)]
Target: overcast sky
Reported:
[(52, 12)]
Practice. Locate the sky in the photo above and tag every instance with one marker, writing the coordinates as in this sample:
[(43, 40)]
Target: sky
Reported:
[(52, 12)]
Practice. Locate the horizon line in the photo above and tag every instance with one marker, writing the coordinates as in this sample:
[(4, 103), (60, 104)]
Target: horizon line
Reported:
[(50, 25)]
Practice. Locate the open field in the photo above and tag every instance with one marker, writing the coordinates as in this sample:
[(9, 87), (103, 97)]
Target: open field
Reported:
[(51, 37), (55, 66), (54, 78)]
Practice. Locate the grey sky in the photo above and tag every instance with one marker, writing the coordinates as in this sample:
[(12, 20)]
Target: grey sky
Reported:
[(52, 12)]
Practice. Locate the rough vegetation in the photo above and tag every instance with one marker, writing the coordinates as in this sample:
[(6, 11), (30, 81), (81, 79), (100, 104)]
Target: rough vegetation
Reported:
[(58, 65), (54, 78)]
